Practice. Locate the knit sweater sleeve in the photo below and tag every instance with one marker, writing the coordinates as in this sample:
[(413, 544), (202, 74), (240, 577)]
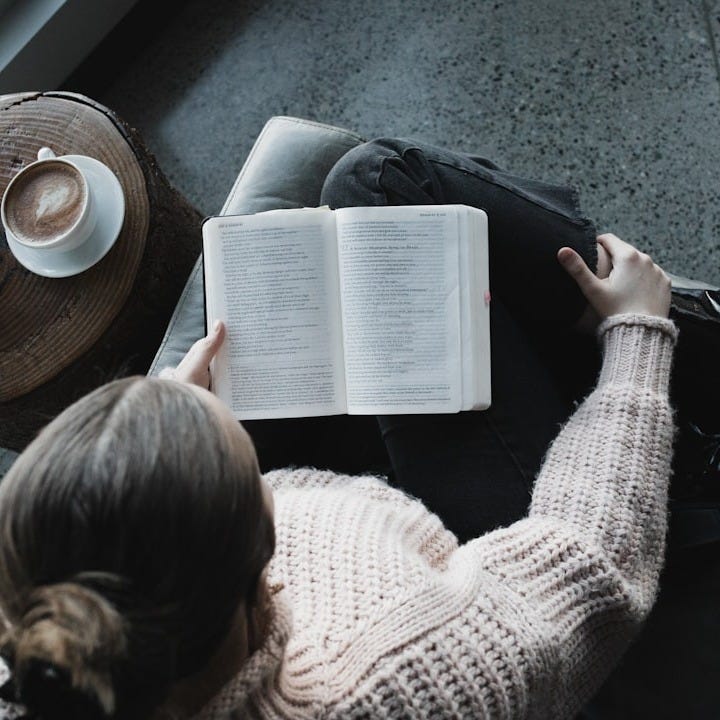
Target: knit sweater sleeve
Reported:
[(583, 567), (607, 473)]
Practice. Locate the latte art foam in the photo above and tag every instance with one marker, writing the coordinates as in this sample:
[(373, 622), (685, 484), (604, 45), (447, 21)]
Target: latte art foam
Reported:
[(45, 202)]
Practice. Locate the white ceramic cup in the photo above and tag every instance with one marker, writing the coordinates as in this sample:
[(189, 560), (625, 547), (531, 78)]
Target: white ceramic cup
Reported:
[(48, 205)]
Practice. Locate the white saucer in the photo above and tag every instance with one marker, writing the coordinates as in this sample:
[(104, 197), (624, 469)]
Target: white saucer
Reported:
[(110, 206)]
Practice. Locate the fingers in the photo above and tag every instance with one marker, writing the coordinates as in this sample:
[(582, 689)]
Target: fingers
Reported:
[(194, 368), (215, 339), (617, 249), (205, 349), (612, 243), (575, 266), (621, 251), (635, 283)]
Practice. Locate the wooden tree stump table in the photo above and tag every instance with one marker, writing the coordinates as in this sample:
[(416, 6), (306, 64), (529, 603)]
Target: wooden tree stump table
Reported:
[(62, 337)]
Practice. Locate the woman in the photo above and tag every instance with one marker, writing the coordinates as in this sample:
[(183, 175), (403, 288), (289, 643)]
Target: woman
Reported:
[(148, 569)]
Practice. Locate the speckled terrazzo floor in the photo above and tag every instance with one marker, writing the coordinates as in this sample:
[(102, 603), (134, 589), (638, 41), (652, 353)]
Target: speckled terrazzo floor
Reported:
[(619, 98)]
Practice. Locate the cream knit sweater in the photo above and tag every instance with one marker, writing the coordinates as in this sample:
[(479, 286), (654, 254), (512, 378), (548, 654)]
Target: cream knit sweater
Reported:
[(383, 615)]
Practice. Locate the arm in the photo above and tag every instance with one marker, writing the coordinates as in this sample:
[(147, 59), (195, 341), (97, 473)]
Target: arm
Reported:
[(582, 570), (607, 472)]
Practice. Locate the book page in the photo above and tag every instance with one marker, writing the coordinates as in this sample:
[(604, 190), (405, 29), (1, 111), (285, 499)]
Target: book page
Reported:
[(400, 305), (479, 316), (272, 277), (474, 309)]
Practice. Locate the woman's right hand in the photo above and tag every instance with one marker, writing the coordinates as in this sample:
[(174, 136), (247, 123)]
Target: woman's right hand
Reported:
[(635, 284)]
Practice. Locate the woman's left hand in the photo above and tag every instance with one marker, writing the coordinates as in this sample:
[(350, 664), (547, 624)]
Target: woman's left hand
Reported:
[(194, 368)]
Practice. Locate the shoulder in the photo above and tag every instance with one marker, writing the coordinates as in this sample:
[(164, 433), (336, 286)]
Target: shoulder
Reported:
[(319, 506), (327, 484), (310, 477), (346, 546)]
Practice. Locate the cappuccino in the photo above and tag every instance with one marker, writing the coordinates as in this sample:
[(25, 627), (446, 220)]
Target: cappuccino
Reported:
[(45, 202)]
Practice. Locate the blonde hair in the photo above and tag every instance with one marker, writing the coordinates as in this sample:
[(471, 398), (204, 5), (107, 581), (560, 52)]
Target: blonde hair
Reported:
[(131, 530)]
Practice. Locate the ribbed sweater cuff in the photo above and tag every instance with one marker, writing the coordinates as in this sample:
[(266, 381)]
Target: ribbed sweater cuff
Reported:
[(637, 349)]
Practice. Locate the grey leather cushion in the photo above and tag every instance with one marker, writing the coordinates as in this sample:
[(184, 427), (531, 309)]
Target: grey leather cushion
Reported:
[(7, 458), (286, 168)]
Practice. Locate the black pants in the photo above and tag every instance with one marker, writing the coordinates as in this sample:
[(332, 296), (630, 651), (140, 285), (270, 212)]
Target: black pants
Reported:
[(474, 469)]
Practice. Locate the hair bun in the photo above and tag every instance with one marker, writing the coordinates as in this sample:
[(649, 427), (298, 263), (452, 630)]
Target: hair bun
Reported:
[(63, 651)]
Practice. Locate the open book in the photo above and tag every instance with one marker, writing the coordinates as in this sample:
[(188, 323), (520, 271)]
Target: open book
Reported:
[(373, 310)]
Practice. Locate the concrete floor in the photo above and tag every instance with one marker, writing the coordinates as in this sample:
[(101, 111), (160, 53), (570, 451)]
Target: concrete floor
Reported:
[(619, 98)]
